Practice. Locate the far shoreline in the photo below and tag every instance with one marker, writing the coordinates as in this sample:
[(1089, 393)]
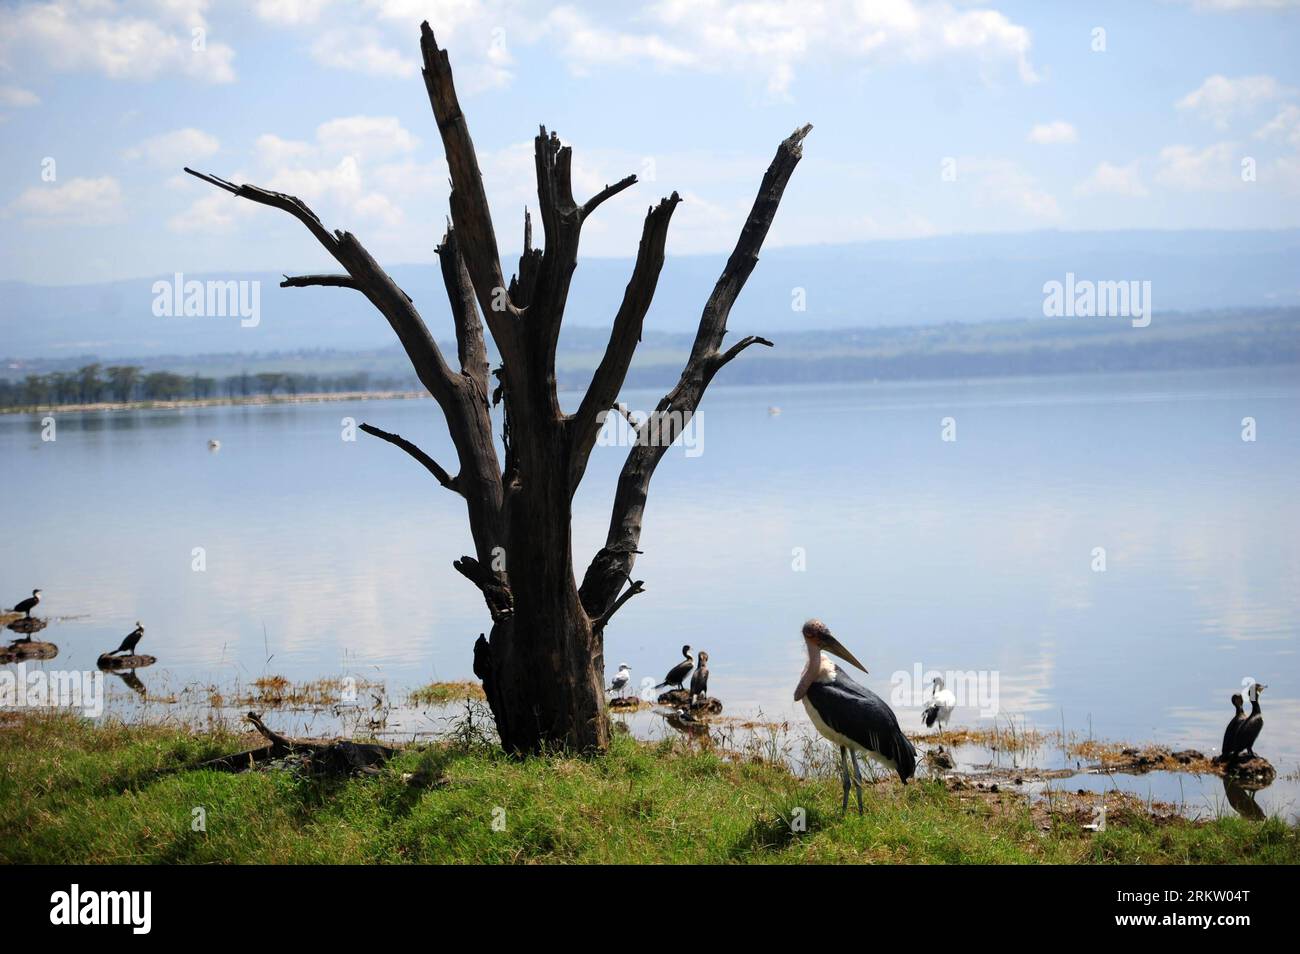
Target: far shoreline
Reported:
[(318, 397)]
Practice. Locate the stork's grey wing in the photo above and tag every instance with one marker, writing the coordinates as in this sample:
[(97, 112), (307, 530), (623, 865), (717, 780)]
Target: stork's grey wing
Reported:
[(861, 715)]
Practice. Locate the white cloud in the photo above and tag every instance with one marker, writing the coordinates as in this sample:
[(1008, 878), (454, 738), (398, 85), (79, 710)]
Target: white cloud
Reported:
[(1002, 182), (365, 136), (375, 206), (588, 44), (77, 202), (328, 173), (1285, 173), (361, 51), (105, 38), (1221, 100), (290, 12), (1214, 168), (174, 149), (1231, 6), (274, 151), (446, 17), (15, 97), (362, 137), (1110, 179), (1046, 134), (215, 212), (769, 39), (1285, 126)]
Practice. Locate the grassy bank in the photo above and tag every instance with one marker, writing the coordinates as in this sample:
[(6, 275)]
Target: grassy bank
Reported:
[(74, 793)]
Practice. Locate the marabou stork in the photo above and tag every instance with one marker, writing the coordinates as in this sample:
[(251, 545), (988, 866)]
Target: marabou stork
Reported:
[(700, 678), (26, 606), (1249, 730), (129, 643), (1230, 746), (677, 675), (621, 680), (942, 702), (850, 715)]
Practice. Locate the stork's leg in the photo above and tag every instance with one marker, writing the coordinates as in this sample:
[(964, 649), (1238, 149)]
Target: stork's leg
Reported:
[(857, 779), (844, 775)]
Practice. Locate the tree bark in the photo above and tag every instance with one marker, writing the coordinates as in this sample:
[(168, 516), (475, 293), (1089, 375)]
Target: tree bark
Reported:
[(542, 665)]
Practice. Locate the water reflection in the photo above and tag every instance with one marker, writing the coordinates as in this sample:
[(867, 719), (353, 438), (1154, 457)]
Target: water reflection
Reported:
[(1242, 799), (131, 680)]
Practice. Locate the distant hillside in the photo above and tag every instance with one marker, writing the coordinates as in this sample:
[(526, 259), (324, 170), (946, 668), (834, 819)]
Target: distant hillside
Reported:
[(974, 278), (1211, 339)]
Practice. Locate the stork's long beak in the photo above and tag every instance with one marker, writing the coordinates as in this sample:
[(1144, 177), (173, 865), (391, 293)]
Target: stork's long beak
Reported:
[(836, 648)]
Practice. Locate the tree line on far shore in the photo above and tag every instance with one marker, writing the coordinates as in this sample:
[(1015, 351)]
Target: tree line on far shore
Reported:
[(123, 384)]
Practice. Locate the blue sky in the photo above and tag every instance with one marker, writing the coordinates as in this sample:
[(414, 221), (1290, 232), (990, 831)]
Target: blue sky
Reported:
[(324, 99)]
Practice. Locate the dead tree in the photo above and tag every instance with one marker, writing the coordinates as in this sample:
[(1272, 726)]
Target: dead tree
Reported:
[(542, 666)]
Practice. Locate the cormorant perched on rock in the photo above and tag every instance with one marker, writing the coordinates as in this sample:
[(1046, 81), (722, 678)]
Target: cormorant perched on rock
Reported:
[(700, 678), (621, 680), (1230, 746), (26, 606), (1249, 730), (129, 643), (677, 675)]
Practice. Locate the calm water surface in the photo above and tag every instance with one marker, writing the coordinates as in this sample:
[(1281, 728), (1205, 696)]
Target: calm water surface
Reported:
[(328, 557)]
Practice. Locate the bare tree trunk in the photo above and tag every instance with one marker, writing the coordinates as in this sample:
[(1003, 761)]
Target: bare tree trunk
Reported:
[(542, 666)]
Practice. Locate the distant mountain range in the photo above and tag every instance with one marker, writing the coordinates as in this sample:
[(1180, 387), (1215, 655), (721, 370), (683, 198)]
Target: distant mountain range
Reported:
[(964, 278)]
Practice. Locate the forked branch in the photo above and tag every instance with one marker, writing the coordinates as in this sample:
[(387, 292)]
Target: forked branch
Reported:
[(368, 278), (613, 563)]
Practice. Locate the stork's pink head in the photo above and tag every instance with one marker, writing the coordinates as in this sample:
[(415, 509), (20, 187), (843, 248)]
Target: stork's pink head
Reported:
[(818, 634)]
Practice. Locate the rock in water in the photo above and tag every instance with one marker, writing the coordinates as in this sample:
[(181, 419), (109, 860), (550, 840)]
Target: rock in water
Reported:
[(27, 649), (1249, 773)]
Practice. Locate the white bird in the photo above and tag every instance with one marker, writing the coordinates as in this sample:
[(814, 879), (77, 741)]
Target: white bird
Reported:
[(214, 444), (621, 680), (942, 702), (850, 715)]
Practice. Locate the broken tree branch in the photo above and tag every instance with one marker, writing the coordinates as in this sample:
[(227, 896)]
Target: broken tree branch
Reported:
[(637, 586), (613, 562), (431, 465), (470, 347), (608, 192), (305, 281), (740, 346), (469, 205), (623, 336), (371, 280), (496, 593)]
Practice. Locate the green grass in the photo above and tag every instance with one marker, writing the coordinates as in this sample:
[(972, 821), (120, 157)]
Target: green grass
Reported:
[(74, 793), (441, 693)]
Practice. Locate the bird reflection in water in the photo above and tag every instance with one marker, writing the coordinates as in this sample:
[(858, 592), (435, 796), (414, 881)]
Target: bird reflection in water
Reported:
[(1242, 799), (132, 681)]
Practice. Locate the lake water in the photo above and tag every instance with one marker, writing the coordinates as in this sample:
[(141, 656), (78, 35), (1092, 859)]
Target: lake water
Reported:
[(977, 555)]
